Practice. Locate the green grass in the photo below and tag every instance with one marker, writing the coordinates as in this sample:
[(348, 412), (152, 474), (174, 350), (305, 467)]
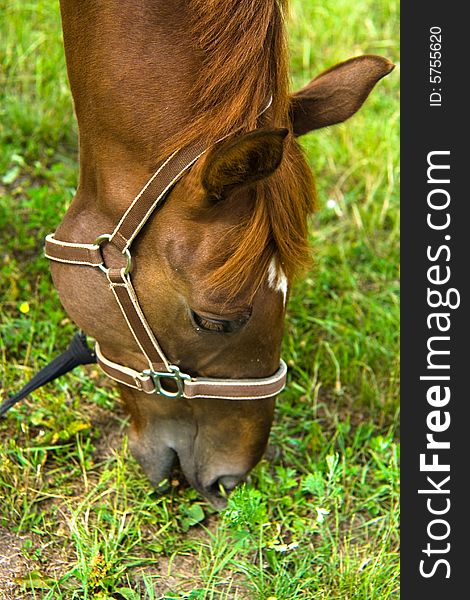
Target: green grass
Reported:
[(318, 518)]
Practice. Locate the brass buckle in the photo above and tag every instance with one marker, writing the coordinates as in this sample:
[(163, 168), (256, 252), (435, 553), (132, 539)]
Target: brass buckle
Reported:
[(174, 374), (105, 237)]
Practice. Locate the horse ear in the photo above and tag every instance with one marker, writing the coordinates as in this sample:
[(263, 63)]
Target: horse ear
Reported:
[(242, 161), (336, 94)]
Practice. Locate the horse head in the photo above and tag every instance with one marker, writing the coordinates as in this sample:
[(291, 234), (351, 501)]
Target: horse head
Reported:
[(212, 268)]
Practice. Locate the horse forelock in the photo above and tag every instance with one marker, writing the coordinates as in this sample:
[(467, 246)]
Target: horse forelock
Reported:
[(274, 232), (244, 62)]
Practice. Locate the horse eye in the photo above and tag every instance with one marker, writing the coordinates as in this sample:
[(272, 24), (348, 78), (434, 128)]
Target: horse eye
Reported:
[(218, 325)]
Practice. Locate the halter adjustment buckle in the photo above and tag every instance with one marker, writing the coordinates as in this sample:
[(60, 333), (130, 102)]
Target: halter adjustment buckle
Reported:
[(173, 374)]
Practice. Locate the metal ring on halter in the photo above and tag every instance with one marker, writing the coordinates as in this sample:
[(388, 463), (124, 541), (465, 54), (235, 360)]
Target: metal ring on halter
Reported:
[(105, 237), (174, 374)]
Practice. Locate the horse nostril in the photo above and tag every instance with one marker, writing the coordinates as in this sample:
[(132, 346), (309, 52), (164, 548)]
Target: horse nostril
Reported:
[(229, 482), (225, 484)]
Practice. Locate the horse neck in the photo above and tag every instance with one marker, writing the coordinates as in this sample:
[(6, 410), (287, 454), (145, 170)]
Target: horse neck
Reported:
[(129, 64), (143, 86)]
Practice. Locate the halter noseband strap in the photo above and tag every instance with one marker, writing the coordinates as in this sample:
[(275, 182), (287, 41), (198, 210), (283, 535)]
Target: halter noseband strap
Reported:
[(152, 380)]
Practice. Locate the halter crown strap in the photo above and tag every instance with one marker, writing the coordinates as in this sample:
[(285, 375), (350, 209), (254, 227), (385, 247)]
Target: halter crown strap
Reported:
[(153, 192)]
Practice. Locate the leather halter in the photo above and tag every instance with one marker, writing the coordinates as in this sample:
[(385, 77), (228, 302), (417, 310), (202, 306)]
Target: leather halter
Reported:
[(152, 380)]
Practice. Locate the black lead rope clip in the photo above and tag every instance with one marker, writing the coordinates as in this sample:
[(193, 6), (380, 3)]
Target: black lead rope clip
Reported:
[(78, 353)]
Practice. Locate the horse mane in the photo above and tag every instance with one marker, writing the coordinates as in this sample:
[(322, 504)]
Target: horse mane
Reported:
[(245, 62)]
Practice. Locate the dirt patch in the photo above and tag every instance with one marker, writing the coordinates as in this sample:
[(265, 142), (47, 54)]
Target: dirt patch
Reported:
[(12, 565), (180, 575), (112, 427)]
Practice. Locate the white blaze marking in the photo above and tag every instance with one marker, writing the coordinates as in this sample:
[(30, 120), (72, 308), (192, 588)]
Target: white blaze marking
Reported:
[(277, 279)]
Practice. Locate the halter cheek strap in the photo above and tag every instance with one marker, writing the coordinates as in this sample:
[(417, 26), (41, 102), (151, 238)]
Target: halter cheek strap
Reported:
[(160, 371)]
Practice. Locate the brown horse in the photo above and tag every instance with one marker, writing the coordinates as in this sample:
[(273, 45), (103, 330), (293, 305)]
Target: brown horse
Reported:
[(213, 263)]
